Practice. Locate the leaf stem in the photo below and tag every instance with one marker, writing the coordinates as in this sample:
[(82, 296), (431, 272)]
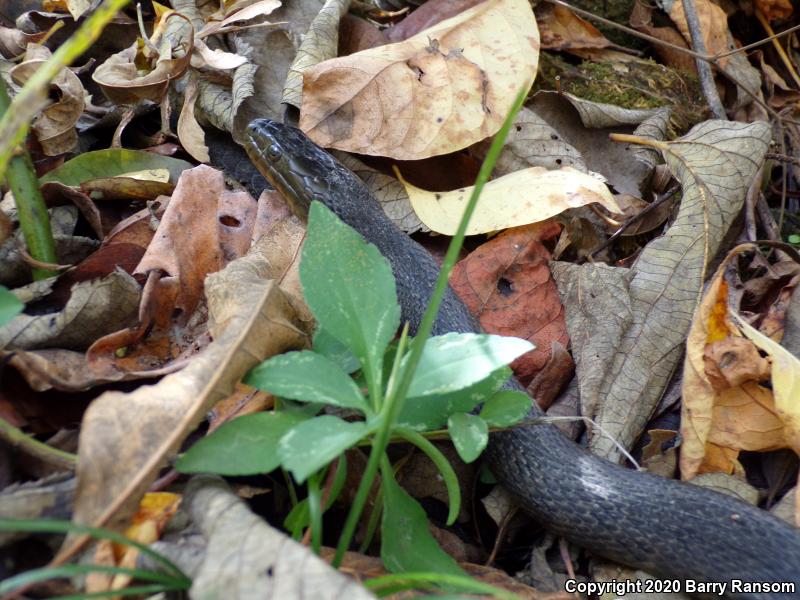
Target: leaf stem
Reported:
[(441, 463)]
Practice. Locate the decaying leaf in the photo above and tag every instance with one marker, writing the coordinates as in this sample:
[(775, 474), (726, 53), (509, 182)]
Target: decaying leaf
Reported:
[(447, 87), (125, 438), (320, 43), (561, 29), (94, 309), (55, 125), (506, 283), (247, 559), (715, 163), (528, 196), (123, 83)]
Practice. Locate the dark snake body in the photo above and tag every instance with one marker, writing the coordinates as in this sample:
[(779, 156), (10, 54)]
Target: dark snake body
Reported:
[(672, 529)]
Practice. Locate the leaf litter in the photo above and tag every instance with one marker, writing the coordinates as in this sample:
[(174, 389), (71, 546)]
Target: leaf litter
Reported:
[(181, 281)]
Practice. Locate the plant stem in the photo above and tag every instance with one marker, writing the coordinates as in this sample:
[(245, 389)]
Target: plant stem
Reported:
[(385, 420), (33, 217), (15, 123), (30, 445), (453, 250)]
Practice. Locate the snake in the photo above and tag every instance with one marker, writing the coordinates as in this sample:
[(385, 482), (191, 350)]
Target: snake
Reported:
[(674, 530)]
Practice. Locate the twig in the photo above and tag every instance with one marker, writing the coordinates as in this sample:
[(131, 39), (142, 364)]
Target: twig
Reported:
[(707, 83), (778, 48)]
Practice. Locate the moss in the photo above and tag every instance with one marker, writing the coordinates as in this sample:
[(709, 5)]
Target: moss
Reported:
[(631, 84)]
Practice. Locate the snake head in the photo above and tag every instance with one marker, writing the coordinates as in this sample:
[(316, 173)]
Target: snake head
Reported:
[(291, 162)]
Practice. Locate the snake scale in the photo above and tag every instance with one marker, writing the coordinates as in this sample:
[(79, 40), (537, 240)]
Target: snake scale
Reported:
[(672, 529)]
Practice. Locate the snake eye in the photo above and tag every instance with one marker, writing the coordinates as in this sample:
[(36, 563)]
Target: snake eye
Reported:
[(273, 152)]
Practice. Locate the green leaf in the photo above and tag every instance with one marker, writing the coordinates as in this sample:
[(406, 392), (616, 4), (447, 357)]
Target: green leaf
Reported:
[(406, 542), (794, 239), (349, 287), (10, 306), (425, 413), (112, 162), (469, 433), (308, 377), (330, 347), (454, 361), (247, 445), (506, 408), (311, 445)]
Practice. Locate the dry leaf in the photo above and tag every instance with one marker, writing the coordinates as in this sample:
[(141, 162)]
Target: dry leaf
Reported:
[(235, 12), (123, 83), (126, 438), (190, 133), (506, 284), (713, 24), (320, 43), (561, 29), (785, 381), (427, 15), (519, 198), (724, 409), (55, 126), (442, 90), (95, 308), (775, 10)]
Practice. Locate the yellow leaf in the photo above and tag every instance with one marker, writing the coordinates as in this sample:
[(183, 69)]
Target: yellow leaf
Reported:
[(785, 381), (519, 198)]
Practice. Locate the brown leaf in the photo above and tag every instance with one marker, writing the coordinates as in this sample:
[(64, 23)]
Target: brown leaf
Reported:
[(203, 228), (733, 361), (429, 14), (55, 126), (725, 410), (641, 20), (443, 89), (125, 438), (713, 25), (122, 82), (561, 29), (94, 309), (356, 34), (507, 284), (189, 131), (553, 376), (775, 10)]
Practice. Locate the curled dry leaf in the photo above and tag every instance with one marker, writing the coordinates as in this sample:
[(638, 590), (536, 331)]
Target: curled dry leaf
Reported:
[(123, 83), (519, 198), (320, 43), (126, 438), (561, 29), (442, 90), (725, 409), (238, 11), (715, 163), (190, 133), (55, 126), (95, 308)]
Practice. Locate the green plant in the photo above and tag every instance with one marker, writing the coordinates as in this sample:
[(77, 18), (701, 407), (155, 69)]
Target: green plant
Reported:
[(170, 579), (10, 306), (414, 388)]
